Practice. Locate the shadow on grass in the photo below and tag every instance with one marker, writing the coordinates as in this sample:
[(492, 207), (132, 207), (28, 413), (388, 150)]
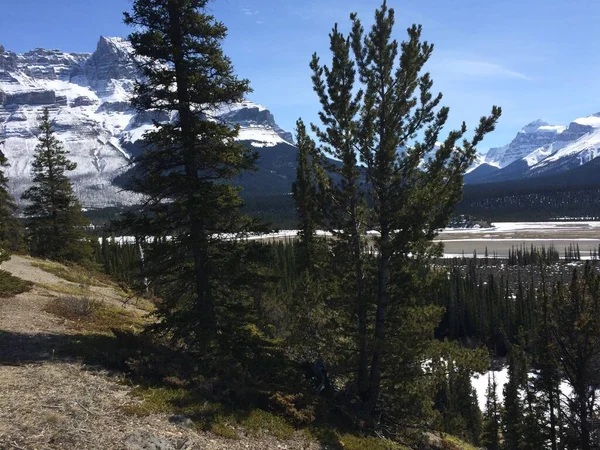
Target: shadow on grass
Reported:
[(26, 348)]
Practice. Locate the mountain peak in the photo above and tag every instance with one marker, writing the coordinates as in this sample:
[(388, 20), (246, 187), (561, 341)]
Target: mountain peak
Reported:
[(113, 44), (111, 70), (532, 127), (537, 123)]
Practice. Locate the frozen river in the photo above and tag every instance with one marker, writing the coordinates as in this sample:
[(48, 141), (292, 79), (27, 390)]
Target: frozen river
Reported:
[(503, 236), (498, 239)]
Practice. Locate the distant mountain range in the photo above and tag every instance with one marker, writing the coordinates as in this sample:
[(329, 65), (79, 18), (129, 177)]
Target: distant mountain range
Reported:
[(541, 150), (88, 97)]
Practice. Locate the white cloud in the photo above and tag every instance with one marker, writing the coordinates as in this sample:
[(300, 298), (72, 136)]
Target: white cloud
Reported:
[(250, 12), (478, 69)]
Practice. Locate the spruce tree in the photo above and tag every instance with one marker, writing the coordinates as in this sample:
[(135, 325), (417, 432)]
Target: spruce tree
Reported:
[(187, 167), (376, 103), (54, 216), (490, 438), (547, 384), (304, 191), (512, 414), (457, 402), (9, 226)]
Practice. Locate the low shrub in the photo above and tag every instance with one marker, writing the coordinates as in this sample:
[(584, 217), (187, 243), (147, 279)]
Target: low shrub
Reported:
[(11, 285), (75, 308), (90, 314)]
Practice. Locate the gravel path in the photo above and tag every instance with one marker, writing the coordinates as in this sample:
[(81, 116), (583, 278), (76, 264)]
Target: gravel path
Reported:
[(52, 403)]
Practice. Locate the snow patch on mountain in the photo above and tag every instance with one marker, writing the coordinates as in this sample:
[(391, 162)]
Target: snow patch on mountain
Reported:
[(589, 121), (581, 151)]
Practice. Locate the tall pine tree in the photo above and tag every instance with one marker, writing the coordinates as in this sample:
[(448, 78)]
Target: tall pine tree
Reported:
[(376, 103), (186, 168), (304, 192), (55, 219)]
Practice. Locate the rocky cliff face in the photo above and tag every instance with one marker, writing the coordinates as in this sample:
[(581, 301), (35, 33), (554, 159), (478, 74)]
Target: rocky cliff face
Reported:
[(88, 97), (531, 137)]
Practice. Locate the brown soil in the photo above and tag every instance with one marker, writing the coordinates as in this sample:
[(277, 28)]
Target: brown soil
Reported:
[(48, 402)]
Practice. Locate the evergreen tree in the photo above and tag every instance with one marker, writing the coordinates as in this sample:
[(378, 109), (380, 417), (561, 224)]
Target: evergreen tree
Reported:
[(375, 102), (341, 194), (512, 414), (576, 332), (304, 191), (55, 219), (547, 383), (490, 437), (457, 402), (9, 227), (186, 169)]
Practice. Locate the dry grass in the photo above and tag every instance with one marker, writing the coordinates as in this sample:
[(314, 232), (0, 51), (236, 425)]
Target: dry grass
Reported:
[(67, 289), (453, 442), (72, 273), (92, 315), (53, 402)]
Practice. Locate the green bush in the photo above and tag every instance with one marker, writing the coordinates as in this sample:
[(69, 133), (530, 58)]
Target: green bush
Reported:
[(11, 285)]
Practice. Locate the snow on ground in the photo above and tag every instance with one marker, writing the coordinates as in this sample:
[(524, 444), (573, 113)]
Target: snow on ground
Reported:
[(500, 227), (512, 227), (486, 239)]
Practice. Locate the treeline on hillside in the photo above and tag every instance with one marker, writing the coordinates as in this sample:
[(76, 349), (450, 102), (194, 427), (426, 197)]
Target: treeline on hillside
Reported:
[(278, 211), (482, 201), (518, 201)]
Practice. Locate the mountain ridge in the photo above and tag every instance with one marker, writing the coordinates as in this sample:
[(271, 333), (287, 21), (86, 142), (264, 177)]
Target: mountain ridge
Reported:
[(541, 149)]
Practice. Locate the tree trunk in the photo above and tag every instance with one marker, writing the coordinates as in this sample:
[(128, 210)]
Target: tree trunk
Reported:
[(363, 385), (197, 233), (380, 318), (552, 407), (583, 418)]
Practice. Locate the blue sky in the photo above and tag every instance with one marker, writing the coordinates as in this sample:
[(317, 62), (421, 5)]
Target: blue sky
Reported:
[(536, 59)]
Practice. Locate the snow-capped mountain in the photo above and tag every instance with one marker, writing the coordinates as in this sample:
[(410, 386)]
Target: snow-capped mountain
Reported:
[(88, 97), (541, 149), (533, 136)]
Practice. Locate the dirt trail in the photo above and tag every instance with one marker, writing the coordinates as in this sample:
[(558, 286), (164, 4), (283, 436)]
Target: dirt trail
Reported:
[(51, 403)]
